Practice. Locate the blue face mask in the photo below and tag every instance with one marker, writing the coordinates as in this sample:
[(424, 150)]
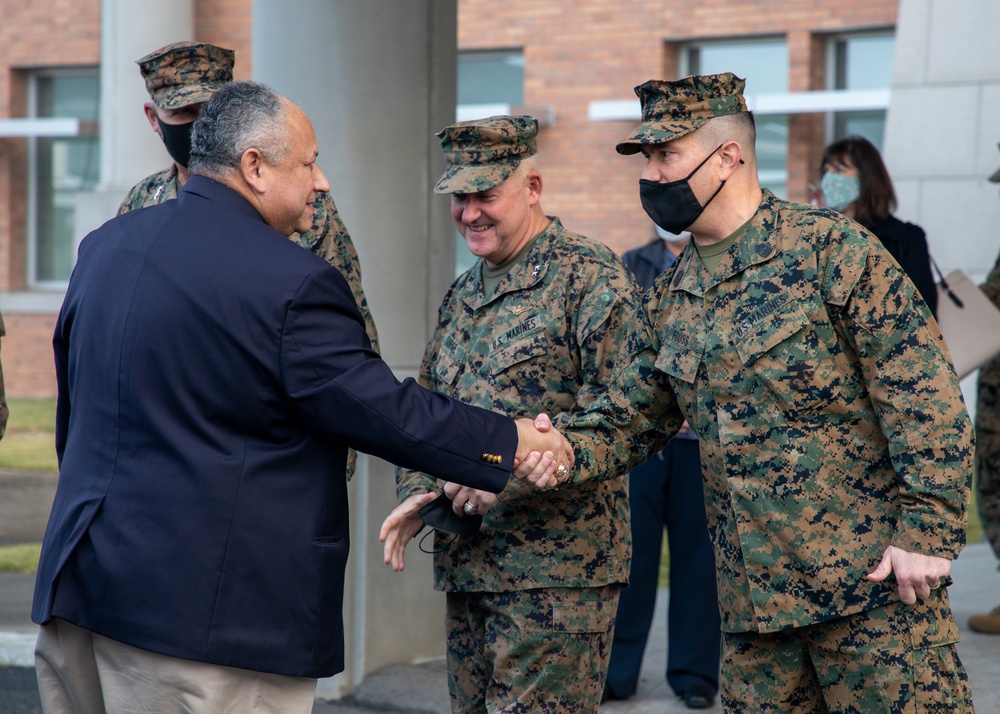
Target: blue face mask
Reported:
[(840, 191)]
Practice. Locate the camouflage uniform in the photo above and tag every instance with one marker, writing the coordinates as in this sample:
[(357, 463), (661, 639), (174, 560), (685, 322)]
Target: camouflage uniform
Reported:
[(988, 450), (988, 433), (832, 426), (546, 339), (185, 73), (4, 412)]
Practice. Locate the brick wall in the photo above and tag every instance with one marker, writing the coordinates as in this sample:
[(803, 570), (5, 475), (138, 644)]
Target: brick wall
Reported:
[(577, 51), (36, 34), (26, 352), (63, 33)]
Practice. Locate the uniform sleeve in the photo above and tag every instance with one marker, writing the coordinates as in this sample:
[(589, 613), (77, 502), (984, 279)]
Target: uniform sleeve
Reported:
[(4, 412), (634, 417), (914, 390), (329, 239)]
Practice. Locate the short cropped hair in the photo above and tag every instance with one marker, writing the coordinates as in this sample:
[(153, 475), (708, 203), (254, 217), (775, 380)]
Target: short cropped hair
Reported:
[(739, 127), (240, 116)]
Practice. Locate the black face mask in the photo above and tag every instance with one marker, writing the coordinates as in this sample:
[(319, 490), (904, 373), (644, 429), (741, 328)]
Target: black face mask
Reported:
[(673, 205), (177, 139)]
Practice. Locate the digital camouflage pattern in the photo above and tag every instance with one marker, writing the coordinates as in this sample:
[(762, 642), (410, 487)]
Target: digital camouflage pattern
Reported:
[(672, 109), (546, 340), (186, 73), (482, 153), (831, 422), (328, 238), (905, 650), (988, 432), (563, 669), (4, 411)]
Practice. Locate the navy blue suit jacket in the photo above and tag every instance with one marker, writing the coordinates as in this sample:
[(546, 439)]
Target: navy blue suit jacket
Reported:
[(211, 376)]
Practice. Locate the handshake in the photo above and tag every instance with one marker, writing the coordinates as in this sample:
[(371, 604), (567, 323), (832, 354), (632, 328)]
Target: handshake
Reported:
[(544, 457)]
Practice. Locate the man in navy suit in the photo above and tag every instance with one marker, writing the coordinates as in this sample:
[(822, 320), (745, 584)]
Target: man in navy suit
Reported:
[(212, 376)]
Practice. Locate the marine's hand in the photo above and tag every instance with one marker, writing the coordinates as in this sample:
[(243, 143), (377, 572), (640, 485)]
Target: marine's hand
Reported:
[(537, 438), (467, 501), (916, 574), (399, 528)]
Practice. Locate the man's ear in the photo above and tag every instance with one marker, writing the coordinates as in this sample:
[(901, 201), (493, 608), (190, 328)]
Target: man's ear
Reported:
[(534, 187), (254, 170), (732, 157), (150, 111)]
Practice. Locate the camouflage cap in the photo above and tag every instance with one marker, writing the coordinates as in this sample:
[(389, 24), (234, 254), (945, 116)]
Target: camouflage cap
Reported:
[(672, 109), (481, 154), (995, 178), (186, 73)]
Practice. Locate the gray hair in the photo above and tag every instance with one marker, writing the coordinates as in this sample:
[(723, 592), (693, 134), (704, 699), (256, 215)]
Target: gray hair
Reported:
[(240, 116), (739, 127)]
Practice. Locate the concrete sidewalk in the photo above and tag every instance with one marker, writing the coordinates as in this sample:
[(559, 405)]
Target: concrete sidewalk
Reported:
[(422, 689)]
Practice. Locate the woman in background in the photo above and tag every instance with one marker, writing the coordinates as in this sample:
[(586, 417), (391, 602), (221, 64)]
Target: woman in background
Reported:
[(856, 183)]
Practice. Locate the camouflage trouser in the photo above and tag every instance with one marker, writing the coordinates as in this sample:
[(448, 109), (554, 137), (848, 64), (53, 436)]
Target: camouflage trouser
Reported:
[(543, 650), (898, 659), (988, 452)]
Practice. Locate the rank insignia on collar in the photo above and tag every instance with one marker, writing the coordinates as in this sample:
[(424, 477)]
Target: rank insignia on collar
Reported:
[(534, 273)]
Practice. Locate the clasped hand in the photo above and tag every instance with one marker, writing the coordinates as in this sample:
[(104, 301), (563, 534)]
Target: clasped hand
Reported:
[(544, 457)]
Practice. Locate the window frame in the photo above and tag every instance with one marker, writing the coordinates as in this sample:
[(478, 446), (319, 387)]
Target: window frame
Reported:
[(32, 157)]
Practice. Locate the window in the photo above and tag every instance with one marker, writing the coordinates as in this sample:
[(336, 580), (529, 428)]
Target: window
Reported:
[(861, 62), (59, 169), (764, 64), (491, 77), (489, 83)]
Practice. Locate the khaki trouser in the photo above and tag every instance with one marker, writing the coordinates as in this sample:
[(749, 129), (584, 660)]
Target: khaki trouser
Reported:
[(80, 672)]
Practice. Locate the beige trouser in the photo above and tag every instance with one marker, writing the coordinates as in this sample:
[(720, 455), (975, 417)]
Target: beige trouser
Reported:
[(80, 672)]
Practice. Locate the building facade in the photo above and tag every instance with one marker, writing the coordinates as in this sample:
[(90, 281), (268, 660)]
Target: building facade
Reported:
[(920, 78)]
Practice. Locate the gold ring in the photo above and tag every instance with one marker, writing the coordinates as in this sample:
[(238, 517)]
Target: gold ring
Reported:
[(562, 471), (469, 508)]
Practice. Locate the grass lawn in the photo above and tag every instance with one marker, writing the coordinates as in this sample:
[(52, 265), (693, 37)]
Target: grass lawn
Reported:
[(20, 558), (29, 444)]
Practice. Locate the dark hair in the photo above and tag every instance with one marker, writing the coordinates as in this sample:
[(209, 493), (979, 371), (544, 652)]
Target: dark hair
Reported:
[(240, 116), (878, 198)]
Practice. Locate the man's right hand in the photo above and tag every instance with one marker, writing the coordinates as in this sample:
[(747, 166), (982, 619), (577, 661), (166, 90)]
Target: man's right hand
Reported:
[(544, 456)]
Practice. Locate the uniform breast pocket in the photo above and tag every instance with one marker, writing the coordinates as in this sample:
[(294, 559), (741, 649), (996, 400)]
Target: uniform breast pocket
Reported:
[(448, 364), (786, 356), (679, 363), (518, 354)]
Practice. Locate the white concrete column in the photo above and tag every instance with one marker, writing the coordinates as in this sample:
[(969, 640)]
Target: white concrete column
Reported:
[(942, 132), (377, 78), (130, 30), (129, 148)]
